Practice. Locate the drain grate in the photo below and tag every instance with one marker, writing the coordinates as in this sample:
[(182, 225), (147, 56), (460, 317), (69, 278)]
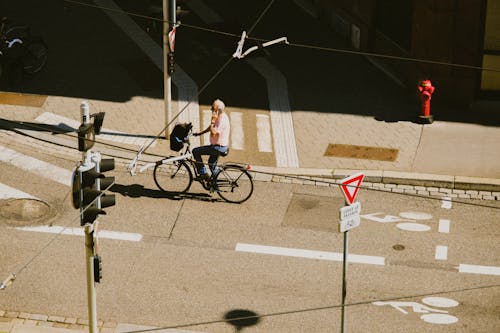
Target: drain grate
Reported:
[(362, 152), (22, 99)]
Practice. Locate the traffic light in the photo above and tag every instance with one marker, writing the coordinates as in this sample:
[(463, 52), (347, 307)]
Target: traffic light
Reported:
[(97, 268), (88, 131), (86, 137), (88, 188), (171, 63)]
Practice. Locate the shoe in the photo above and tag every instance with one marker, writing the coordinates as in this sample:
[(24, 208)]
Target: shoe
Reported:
[(203, 176)]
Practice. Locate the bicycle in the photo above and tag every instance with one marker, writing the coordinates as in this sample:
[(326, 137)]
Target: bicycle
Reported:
[(174, 175)]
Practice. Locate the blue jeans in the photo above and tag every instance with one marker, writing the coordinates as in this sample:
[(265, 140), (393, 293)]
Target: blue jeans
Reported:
[(213, 151)]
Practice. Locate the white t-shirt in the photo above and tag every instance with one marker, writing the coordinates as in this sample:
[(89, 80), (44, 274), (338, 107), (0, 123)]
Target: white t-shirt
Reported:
[(223, 127)]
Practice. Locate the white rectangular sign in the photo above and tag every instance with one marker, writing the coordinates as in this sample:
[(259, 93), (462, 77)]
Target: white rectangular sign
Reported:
[(350, 211), (349, 223)]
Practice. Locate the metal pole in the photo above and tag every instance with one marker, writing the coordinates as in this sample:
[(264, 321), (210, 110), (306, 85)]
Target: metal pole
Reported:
[(169, 11), (344, 281), (91, 294)]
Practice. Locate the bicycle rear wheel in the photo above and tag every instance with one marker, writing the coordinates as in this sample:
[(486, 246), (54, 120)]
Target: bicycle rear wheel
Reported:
[(173, 177), (234, 184)]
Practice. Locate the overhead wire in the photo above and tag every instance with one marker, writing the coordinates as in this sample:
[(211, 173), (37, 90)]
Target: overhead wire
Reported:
[(292, 44), (213, 77), (223, 67), (314, 309), (326, 181)]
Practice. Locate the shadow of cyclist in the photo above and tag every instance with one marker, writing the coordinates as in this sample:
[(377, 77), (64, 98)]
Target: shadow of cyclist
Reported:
[(138, 191)]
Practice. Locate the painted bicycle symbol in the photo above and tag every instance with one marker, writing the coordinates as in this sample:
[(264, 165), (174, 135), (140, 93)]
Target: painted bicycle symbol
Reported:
[(431, 315), (405, 221)]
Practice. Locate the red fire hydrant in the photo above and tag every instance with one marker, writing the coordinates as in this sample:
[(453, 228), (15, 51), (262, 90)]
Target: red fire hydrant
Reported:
[(426, 89)]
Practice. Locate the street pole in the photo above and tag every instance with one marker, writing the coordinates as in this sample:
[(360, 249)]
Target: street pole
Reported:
[(169, 11), (91, 294), (344, 281)]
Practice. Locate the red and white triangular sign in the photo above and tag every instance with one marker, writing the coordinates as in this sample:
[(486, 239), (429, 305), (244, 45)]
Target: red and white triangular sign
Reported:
[(350, 187), (171, 39)]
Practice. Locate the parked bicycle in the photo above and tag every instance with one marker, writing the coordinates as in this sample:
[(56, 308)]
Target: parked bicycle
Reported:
[(175, 175)]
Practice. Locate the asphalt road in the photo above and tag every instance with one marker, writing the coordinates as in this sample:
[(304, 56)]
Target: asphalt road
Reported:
[(185, 269), (196, 259)]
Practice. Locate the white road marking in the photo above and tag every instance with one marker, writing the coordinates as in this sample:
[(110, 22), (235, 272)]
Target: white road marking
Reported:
[(35, 166), (435, 318), (237, 133), (206, 118), (440, 302), (444, 226), (477, 269), (300, 253), (7, 192), (126, 236), (415, 215), (281, 116), (264, 133), (410, 226), (441, 252), (446, 203)]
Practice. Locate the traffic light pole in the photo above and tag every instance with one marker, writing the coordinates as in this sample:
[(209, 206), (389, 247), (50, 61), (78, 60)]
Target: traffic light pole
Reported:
[(91, 293), (169, 19)]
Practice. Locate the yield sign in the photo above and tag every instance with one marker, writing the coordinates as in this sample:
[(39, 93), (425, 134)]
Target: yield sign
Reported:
[(350, 186)]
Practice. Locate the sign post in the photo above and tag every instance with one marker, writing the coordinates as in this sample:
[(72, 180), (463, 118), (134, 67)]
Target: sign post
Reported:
[(349, 219)]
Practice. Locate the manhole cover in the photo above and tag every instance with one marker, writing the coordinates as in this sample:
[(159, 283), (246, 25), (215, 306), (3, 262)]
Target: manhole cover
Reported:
[(22, 99), (23, 210), (362, 152)]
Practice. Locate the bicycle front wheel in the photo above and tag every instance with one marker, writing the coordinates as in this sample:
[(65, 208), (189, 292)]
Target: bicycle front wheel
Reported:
[(173, 177), (234, 184)]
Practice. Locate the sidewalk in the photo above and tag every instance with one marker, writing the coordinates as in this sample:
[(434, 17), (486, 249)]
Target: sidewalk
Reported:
[(21, 322), (458, 159)]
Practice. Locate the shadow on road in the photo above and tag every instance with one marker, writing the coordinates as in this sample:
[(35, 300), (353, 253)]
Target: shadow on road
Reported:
[(139, 191)]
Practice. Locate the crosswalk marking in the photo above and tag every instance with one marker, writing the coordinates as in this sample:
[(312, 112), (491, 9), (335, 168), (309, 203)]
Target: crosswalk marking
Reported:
[(7, 192), (237, 137), (207, 116), (106, 134), (281, 116), (186, 88), (35, 166), (264, 133), (264, 141)]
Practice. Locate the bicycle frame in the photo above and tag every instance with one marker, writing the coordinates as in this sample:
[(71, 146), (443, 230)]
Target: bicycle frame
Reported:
[(186, 157)]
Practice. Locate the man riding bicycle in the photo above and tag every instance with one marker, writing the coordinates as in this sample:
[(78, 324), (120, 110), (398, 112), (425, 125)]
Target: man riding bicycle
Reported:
[(219, 129)]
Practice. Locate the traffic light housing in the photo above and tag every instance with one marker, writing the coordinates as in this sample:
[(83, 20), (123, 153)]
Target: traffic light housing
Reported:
[(171, 63), (89, 184), (88, 131), (86, 137), (97, 268)]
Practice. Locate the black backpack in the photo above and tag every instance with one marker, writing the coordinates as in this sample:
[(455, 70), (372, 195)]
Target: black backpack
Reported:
[(179, 133)]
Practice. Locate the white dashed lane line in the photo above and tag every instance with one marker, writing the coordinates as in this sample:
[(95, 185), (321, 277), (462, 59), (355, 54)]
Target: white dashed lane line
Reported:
[(309, 254)]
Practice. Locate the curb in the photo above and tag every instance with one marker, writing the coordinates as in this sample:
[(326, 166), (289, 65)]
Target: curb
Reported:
[(395, 181)]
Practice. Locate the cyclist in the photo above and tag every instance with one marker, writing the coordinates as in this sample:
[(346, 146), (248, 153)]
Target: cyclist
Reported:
[(219, 129)]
